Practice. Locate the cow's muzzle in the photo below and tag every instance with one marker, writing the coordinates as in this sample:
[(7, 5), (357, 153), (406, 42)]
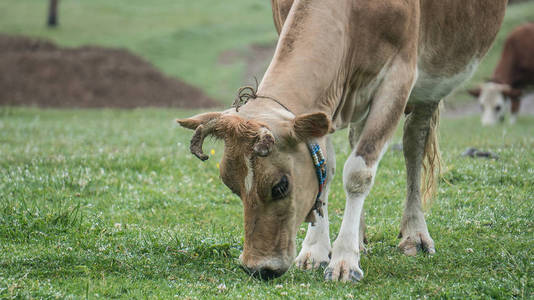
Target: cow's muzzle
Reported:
[(264, 273)]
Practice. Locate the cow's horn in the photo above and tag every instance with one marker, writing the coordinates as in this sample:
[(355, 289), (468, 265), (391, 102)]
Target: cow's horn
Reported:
[(265, 142), (197, 140)]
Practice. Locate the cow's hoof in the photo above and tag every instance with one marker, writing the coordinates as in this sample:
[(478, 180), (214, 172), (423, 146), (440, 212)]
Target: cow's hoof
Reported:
[(343, 272), (312, 258), (410, 243)]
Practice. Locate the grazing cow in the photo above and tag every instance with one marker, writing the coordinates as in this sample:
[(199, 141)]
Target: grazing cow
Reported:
[(514, 72), (337, 64)]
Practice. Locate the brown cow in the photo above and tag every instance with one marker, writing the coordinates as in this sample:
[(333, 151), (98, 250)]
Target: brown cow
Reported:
[(342, 63), (514, 72)]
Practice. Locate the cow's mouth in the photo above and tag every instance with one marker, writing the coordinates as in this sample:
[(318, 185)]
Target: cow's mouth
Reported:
[(263, 273)]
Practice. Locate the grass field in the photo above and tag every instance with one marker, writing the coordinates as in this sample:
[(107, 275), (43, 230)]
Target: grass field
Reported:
[(185, 38), (110, 203)]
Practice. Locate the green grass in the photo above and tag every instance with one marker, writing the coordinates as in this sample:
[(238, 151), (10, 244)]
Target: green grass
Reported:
[(185, 38), (110, 203)]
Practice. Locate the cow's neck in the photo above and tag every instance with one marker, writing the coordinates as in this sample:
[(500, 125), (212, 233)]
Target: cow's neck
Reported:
[(306, 75)]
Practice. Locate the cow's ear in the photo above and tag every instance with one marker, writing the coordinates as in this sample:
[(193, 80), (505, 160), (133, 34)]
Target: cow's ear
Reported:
[(309, 126), (511, 92), (195, 121), (474, 92)]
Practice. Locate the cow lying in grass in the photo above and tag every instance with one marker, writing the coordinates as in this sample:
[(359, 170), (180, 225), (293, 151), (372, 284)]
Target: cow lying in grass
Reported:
[(514, 72), (338, 64)]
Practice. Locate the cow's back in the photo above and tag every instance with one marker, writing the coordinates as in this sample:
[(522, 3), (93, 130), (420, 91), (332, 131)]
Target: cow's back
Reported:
[(454, 32), (454, 35)]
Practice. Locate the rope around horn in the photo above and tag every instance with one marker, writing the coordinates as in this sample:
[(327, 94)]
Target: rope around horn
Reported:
[(245, 93)]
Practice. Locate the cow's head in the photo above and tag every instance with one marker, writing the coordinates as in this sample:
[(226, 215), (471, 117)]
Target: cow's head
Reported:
[(266, 163), (492, 98)]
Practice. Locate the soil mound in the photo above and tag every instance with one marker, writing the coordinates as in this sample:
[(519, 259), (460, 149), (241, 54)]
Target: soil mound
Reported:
[(37, 72)]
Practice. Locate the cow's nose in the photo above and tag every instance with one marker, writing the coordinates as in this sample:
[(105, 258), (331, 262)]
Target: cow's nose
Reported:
[(263, 273)]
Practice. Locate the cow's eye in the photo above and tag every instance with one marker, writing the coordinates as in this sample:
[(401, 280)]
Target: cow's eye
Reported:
[(498, 108), (281, 189)]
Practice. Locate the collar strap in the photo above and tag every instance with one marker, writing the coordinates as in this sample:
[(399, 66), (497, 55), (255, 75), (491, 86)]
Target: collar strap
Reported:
[(320, 169)]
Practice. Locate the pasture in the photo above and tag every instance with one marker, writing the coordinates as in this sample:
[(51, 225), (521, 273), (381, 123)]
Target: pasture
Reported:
[(110, 203)]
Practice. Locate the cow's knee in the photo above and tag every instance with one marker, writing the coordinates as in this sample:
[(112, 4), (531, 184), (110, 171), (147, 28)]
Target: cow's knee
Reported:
[(357, 176)]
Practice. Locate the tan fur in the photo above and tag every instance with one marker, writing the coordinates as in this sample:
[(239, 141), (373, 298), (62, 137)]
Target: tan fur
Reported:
[(193, 123), (280, 11), (311, 125)]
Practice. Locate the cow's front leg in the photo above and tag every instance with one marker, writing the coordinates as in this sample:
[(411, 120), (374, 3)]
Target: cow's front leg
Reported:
[(345, 262), (316, 246), (360, 168)]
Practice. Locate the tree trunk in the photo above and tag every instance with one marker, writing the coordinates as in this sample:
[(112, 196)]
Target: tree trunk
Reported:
[(52, 13)]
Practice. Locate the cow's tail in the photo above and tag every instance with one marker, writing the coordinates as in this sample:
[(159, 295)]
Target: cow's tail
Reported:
[(431, 160)]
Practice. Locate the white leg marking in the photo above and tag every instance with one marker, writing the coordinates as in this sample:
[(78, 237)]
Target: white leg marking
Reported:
[(250, 175), (316, 246), (358, 179), (345, 262)]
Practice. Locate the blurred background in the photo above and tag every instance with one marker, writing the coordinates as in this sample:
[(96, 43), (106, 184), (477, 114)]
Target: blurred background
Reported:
[(132, 53)]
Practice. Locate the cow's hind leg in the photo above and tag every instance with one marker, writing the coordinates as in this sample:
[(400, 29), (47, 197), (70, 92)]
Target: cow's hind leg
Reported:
[(360, 168), (414, 233), (316, 247)]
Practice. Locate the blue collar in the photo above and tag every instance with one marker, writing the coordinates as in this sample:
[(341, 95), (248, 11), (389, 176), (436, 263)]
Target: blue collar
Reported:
[(320, 169)]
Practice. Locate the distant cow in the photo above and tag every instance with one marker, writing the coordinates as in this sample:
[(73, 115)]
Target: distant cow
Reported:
[(514, 72)]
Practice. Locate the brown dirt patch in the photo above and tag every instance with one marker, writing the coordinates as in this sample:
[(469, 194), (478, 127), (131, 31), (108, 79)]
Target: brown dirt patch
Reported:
[(37, 72)]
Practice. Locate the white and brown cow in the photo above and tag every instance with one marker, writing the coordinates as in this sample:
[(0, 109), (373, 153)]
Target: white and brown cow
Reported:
[(342, 63), (514, 72)]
